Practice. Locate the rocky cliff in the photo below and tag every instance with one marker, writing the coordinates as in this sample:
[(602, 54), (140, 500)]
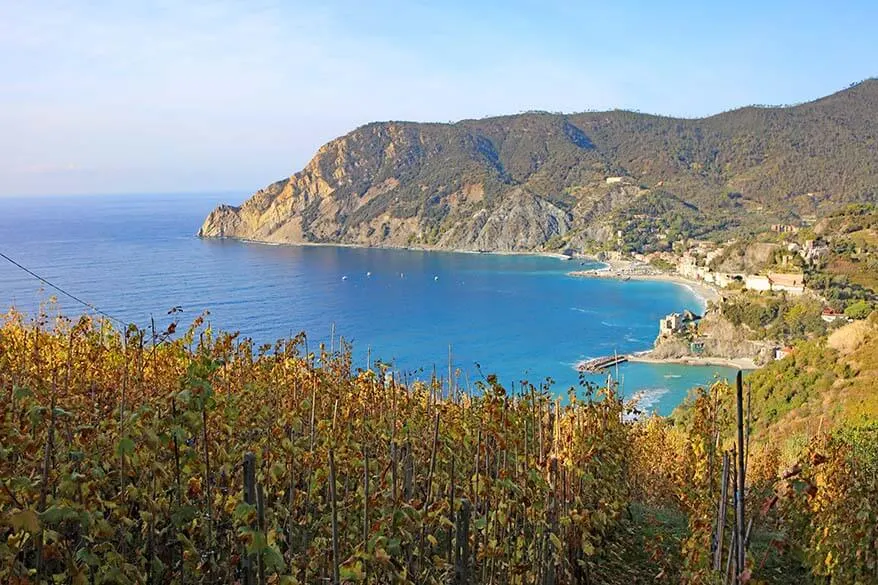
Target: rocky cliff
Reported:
[(540, 181)]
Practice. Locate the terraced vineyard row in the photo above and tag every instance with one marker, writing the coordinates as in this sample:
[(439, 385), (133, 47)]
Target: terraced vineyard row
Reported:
[(144, 457), (124, 456)]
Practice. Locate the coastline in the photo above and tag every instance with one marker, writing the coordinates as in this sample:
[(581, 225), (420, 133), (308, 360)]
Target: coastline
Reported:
[(611, 269), (627, 270), (541, 254), (739, 363)]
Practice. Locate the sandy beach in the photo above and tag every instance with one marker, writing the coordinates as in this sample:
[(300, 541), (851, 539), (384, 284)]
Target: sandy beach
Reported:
[(627, 270), (739, 363)]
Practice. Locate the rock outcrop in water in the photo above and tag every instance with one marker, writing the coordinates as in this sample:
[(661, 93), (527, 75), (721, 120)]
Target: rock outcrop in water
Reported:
[(540, 181)]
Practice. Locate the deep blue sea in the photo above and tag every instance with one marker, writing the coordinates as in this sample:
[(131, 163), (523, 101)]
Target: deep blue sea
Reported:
[(520, 317)]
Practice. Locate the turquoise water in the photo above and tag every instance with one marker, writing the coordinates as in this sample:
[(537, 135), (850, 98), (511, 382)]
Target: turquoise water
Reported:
[(520, 317)]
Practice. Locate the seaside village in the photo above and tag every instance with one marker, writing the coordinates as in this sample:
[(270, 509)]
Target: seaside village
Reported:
[(696, 262), (739, 280)]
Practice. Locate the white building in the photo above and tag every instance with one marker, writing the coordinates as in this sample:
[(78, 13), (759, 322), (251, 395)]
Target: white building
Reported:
[(757, 282), (688, 267)]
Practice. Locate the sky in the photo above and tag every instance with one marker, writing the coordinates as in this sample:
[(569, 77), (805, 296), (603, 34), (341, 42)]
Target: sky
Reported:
[(155, 96)]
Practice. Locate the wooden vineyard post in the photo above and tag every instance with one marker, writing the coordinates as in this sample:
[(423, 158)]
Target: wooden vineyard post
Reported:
[(451, 514), (394, 451), (450, 375), (335, 554), (365, 497), (739, 496), (461, 545), (721, 516), (249, 499), (366, 525), (428, 496), (260, 516), (747, 429), (732, 557)]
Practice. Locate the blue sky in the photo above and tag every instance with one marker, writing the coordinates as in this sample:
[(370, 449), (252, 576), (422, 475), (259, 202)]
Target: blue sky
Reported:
[(115, 97)]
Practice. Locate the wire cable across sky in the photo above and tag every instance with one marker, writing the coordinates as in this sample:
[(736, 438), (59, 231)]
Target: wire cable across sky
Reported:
[(62, 291)]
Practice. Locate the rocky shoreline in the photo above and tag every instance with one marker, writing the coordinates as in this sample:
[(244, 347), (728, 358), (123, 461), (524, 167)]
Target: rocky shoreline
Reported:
[(726, 350)]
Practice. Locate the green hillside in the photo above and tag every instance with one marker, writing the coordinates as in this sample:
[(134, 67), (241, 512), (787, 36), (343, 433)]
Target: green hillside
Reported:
[(538, 180)]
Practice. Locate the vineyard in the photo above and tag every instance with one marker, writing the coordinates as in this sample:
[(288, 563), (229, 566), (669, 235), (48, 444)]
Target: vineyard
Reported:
[(144, 456)]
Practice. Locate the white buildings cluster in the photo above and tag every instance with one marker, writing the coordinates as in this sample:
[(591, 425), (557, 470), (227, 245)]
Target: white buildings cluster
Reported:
[(692, 264)]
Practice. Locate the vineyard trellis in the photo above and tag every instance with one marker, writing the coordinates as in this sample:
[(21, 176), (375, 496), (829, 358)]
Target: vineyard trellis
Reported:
[(206, 459), (138, 456)]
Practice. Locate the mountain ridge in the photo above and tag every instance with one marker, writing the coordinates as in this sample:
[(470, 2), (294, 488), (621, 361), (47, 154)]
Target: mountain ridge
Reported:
[(539, 181)]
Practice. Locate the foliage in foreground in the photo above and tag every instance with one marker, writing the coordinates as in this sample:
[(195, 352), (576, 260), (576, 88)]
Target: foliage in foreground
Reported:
[(121, 462), (815, 506)]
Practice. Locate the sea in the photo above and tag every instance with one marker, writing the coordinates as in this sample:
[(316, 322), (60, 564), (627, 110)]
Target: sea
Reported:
[(519, 317)]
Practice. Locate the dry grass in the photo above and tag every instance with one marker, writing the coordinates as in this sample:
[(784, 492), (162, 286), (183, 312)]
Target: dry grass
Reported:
[(849, 338), (838, 388)]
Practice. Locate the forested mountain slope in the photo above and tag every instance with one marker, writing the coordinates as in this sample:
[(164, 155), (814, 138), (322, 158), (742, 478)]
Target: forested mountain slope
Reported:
[(540, 181)]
